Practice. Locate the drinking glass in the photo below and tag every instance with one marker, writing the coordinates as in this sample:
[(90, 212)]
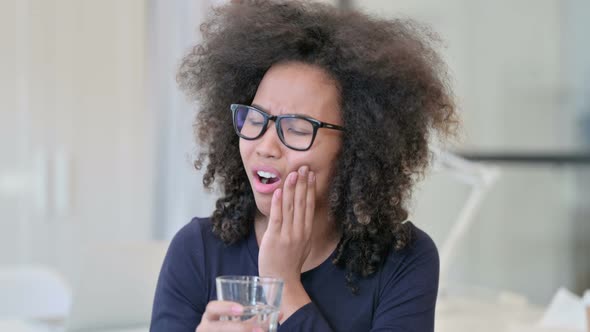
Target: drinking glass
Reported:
[(260, 297)]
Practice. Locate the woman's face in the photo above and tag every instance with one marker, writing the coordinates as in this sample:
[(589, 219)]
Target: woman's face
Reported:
[(293, 88)]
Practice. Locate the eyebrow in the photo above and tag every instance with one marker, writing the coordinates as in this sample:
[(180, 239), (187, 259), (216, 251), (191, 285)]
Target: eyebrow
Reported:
[(267, 111)]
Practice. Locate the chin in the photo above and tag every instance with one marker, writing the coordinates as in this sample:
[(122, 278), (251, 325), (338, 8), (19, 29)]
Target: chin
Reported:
[(263, 205)]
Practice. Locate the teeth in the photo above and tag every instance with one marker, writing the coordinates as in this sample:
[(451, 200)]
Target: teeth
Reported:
[(266, 175)]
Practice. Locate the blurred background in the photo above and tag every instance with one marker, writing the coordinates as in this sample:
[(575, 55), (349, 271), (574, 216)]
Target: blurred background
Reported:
[(96, 157)]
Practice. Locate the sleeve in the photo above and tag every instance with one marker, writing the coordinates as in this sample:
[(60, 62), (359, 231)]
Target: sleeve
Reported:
[(307, 318), (181, 291), (408, 297)]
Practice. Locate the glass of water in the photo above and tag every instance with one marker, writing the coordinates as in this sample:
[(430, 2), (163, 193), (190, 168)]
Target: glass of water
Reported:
[(260, 297)]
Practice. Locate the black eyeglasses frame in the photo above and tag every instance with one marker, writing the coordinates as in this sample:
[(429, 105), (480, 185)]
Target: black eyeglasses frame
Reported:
[(316, 124)]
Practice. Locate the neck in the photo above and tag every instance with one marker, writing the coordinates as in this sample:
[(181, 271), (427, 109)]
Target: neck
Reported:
[(324, 237)]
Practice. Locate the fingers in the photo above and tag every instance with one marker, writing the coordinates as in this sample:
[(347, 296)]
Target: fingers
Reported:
[(215, 309), (229, 326), (310, 203), (276, 213), (288, 195), (300, 202)]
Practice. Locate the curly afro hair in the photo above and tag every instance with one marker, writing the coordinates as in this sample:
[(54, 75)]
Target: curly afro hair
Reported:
[(395, 98)]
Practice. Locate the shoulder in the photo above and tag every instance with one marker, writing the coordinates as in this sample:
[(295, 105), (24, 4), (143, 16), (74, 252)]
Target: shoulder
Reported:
[(196, 230), (422, 246), (408, 286), (419, 261), (183, 287), (192, 237)]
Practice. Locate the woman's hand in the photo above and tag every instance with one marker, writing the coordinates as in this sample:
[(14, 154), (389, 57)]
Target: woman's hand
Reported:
[(215, 309), (286, 244)]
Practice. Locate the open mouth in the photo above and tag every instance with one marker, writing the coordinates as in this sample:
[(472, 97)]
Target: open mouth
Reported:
[(267, 177)]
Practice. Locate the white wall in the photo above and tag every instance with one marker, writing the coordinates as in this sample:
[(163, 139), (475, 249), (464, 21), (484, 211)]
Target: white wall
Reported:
[(576, 64), (72, 107), (173, 29)]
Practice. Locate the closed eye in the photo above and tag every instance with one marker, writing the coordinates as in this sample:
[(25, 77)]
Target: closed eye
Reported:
[(255, 123), (298, 132)]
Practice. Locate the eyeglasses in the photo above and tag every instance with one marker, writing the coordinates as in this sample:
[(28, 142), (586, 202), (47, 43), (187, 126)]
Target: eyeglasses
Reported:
[(295, 131)]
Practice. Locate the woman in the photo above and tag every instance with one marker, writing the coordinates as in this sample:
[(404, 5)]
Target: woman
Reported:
[(316, 124)]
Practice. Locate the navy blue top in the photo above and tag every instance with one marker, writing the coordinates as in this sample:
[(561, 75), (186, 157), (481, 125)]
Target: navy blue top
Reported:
[(400, 296)]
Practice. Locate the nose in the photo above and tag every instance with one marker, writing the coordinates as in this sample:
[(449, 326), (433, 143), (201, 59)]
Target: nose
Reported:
[(269, 145)]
